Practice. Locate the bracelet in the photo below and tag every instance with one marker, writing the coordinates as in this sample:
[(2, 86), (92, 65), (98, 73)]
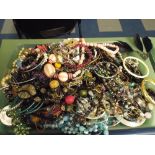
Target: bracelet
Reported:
[(104, 47), (129, 123), (131, 73), (40, 64), (132, 123), (3, 114), (81, 63), (144, 91), (97, 117), (99, 69)]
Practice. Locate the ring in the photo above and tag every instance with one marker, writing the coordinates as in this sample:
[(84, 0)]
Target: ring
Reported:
[(144, 91), (135, 75)]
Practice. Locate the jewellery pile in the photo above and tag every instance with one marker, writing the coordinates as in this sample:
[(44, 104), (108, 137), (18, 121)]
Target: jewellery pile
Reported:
[(77, 88)]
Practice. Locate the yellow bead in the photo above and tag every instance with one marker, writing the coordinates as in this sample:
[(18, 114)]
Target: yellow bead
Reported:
[(57, 65), (54, 84)]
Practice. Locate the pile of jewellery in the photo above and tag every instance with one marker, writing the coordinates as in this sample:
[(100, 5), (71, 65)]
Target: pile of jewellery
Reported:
[(77, 88)]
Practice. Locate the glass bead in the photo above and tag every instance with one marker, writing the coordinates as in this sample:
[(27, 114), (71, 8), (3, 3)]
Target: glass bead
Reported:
[(77, 125), (86, 132), (65, 118), (106, 132), (90, 129), (81, 128)]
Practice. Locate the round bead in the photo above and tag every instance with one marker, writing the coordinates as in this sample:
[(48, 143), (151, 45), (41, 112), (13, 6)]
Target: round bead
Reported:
[(86, 132), (49, 70), (83, 93), (148, 115), (69, 99), (82, 128), (52, 58), (150, 106), (65, 90), (54, 84), (57, 65), (63, 76), (65, 118), (60, 58)]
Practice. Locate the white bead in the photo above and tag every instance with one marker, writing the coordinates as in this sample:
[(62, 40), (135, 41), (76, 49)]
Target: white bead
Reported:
[(148, 115), (52, 57), (63, 76), (150, 106)]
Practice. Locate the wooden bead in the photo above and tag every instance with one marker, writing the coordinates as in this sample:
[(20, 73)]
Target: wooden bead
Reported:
[(49, 70), (70, 75), (55, 76), (63, 76)]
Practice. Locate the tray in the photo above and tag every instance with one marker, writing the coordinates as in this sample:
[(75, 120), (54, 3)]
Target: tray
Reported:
[(9, 51)]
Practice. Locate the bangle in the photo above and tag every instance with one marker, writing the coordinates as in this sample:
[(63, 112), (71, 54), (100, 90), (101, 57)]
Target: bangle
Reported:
[(129, 123), (144, 90), (131, 73), (97, 117), (40, 64)]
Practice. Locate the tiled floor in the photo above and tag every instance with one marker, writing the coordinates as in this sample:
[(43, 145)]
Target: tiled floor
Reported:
[(96, 28)]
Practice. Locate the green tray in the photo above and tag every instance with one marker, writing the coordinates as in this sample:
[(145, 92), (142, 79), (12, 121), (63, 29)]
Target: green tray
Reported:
[(8, 53)]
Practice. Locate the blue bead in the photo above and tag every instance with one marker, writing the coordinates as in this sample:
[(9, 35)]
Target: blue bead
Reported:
[(86, 132), (106, 132), (90, 129), (65, 118), (81, 128), (77, 125)]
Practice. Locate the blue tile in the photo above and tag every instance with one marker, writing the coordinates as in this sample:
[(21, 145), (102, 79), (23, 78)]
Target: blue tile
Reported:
[(1, 24), (8, 36)]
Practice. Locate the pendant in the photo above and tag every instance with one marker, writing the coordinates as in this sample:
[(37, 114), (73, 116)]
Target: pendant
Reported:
[(4, 118)]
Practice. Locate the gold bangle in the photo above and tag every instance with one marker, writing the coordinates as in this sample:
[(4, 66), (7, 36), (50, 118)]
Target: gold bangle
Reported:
[(144, 91)]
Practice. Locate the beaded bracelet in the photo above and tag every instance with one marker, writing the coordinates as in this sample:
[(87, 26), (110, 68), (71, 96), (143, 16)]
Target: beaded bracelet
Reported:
[(104, 48), (97, 69), (144, 91), (83, 64), (131, 73)]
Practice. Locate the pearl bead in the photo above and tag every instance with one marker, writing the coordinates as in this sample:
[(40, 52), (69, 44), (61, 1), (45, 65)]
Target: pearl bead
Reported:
[(49, 70), (148, 115), (52, 58), (150, 106), (63, 76)]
